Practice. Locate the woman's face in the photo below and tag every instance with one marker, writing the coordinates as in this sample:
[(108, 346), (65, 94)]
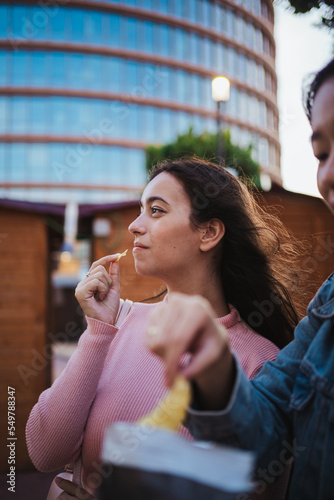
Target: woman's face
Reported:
[(323, 139), (166, 244)]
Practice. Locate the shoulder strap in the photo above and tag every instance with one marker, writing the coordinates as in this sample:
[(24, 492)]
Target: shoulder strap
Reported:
[(123, 311)]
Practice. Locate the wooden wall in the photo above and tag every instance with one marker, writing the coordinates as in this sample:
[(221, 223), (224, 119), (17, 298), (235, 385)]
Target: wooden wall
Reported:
[(23, 321), (312, 223), (306, 216)]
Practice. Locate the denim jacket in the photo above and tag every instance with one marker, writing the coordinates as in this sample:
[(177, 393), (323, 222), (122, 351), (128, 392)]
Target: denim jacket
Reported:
[(287, 409)]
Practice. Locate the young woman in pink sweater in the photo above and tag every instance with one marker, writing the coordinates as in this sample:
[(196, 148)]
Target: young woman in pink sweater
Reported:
[(201, 232)]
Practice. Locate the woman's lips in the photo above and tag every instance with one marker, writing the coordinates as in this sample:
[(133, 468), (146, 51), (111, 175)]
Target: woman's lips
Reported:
[(138, 248)]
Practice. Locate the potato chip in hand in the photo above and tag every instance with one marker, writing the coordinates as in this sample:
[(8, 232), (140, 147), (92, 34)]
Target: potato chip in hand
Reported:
[(171, 411)]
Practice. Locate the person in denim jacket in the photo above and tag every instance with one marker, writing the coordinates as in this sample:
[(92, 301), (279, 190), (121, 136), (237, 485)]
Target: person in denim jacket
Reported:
[(288, 409)]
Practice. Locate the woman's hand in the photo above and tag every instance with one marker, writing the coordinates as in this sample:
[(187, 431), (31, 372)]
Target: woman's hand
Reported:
[(98, 293), (186, 324), (71, 490)]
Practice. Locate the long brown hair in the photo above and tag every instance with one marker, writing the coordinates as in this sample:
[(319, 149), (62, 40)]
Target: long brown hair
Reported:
[(256, 265)]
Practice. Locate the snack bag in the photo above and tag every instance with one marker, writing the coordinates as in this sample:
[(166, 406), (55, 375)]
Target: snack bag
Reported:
[(149, 461)]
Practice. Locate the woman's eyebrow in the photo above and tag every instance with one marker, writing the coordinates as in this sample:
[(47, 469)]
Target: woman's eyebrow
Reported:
[(153, 198)]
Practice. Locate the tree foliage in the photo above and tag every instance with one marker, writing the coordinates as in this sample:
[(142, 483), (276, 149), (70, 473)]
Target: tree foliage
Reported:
[(205, 146), (303, 6)]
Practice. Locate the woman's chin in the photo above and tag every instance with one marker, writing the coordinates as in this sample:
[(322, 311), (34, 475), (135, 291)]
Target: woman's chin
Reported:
[(146, 271), (142, 270)]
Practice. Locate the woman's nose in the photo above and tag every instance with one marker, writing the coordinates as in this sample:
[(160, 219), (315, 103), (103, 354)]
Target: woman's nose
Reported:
[(137, 226)]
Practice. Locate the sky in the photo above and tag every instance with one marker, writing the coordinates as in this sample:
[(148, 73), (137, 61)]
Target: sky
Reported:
[(301, 49)]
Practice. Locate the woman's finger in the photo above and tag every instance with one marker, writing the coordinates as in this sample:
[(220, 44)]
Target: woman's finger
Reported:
[(101, 272), (185, 334), (95, 287), (71, 490), (103, 261), (207, 355)]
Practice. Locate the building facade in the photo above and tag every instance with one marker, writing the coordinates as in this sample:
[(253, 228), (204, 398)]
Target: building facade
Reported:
[(86, 85)]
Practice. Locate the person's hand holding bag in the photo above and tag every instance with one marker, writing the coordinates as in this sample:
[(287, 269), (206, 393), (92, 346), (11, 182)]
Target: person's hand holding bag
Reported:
[(71, 491), (99, 293), (186, 324)]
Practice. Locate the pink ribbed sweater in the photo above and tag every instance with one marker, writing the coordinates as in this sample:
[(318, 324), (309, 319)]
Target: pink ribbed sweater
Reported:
[(111, 377)]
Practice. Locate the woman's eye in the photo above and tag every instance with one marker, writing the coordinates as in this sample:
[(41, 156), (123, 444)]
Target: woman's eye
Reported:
[(156, 210)]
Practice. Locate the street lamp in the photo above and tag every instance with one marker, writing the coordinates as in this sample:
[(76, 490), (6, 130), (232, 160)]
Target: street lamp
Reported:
[(220, 93)]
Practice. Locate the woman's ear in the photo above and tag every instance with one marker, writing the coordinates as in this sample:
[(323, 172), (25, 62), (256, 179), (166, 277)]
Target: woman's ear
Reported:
[(211, 234)]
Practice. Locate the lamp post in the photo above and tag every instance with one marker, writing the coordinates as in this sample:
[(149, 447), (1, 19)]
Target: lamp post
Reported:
[(220, 93)]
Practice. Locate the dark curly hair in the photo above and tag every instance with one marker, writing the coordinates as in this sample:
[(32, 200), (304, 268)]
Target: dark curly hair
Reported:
[(311, 89), (256, 265)]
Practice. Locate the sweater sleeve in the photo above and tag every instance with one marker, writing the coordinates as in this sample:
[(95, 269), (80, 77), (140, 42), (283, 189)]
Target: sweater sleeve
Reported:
[(55, 427)]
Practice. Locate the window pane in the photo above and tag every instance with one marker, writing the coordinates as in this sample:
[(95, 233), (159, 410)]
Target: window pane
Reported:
[(74, 70), (206, 13), (37, 19), (164, 34), (38, 70), (58, 24), (3, 21), (36, 117), (131, 125), (197, 90), (3, 114), (92, 72), (38, 162), (3, 165), (165, 76), (116, 166), (164, 6), (179, 46), (117, 110), (148, 43), (195, 42), (56, 172), (58, 116), (189, 88), (131, 79), (18, 115), (77, 25), (230, 23), (19, 19), (4, 71), (17, 171), (92, 27), (157, 38), (175, 8), (58, 69), (19, 69), (114, 30), (243, 68), (114, 75), (141, 34), (131, 41), (220, 57), (135, 171)]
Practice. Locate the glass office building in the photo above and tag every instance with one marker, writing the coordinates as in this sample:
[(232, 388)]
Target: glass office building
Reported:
[(86, 85)]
